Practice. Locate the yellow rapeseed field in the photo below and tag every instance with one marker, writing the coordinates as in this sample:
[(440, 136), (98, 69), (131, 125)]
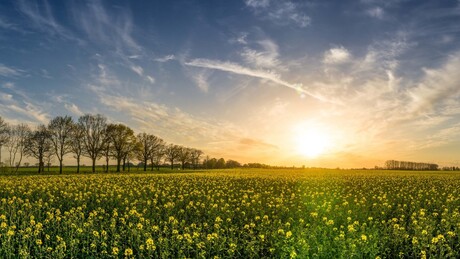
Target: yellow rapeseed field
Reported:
[(232, 214)]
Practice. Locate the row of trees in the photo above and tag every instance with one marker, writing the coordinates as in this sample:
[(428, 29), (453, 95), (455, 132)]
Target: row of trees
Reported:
[(91, 136), (404, 165)]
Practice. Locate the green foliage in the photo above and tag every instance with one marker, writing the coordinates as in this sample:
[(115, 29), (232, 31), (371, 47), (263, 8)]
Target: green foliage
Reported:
[(232, 213)]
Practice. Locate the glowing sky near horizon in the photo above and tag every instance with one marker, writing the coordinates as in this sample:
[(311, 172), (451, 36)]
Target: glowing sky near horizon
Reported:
[(315, 83)]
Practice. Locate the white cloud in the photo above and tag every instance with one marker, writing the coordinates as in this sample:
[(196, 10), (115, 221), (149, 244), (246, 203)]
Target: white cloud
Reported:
[(438, 86), (41, 16), (138, 70), (24, 108), (280, 12), (337, 56), (267, 58), (105, 77), (151, 79), (376, 12), (262, 74), (4, 24), (8, 85), (71, 107), (45, 74), (201, 80), (6, 97), (165, 58), (257, 3), (170, 123), (242, 39), (9, 71), (112, 29)]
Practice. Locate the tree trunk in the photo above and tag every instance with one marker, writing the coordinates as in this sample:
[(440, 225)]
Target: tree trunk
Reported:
[(145, 165), (124, 164), (40, 165), (94, 165), (172, 164), (60, 166), (78, 164), (107, 164), (118, 164)]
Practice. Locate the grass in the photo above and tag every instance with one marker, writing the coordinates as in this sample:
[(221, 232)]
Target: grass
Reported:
[(54, 170), (231, 213)]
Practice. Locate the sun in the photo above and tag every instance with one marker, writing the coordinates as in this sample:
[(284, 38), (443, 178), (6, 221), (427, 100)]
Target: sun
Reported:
[(312, 142)]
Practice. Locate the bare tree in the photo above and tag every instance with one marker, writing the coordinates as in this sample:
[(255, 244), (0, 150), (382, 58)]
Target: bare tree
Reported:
[(94, 127), (149, 145), (38, 144), (4, 135), (49, 158), (158, 156), (76, 143), (184, 156), (16, 144), (195, 155), (123, 142), (107, 151), (172, 153), (60, 129)]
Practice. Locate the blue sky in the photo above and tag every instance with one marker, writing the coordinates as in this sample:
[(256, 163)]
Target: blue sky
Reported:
[(361, 81)]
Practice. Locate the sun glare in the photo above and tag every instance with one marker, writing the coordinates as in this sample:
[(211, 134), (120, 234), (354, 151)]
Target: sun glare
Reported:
[(312, 142)]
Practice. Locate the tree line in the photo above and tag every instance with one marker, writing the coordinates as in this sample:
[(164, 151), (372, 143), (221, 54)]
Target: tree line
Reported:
[(405, 165), (93, 137)]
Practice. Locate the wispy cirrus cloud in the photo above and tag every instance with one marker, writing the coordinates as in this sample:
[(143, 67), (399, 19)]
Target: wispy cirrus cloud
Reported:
[(16, 104), (138, 70), (437, 87), (280, 12), (6, 71), (5, 24), (257, 73), (109, 28), (201, 80), (147, 115), (68, 105), (265, 58), (166, 58), (41, 16)]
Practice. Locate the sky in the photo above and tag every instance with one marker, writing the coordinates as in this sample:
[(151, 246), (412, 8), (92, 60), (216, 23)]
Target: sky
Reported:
[(314, 83)]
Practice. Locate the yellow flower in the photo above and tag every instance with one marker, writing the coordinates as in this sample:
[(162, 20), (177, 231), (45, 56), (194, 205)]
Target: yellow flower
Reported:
[(288, 234), (150, 244), (363, 237), (38, 242), (10, 233), (115, 250), (351, 228)]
